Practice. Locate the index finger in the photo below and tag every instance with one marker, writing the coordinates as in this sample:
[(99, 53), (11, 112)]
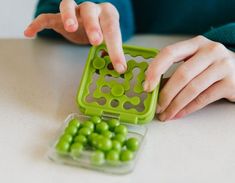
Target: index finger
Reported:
[(167, 56), (109, 21)]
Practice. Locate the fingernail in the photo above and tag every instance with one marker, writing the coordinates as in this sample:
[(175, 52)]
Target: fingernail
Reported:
[(159, 110), (95, 37), (120, 68), (146, 86), (162, 117), (179, 115), (70, 22)]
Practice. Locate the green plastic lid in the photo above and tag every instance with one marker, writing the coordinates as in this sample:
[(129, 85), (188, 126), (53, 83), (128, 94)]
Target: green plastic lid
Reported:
[(104, 92)]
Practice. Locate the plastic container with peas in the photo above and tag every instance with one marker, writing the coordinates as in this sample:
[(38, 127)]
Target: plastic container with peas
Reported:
[(106, 145)]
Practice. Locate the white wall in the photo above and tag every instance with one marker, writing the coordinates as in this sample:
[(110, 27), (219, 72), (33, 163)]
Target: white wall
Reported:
[(15, 15)]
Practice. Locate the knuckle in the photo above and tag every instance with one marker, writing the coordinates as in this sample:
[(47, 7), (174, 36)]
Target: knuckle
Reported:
[(109, 9), (201, 38), (62, 4), (153, 71), (86, 3), (65, 3), (164, 98), (216, 47), (111, 26), (228, 64), (171, 111), (92, 27), (183, 74), (168, 50), (41, 16), (193, 87), (43, 19), (200, 100)]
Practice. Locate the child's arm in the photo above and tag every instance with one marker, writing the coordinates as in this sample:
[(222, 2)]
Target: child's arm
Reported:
[(87, 22)]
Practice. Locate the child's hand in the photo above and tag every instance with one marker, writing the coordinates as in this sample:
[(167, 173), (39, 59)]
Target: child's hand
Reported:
[(83, 24), (208, 74)]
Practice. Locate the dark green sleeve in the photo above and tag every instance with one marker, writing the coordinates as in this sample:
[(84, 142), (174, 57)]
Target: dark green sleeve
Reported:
[(124, 8), (224, 34)]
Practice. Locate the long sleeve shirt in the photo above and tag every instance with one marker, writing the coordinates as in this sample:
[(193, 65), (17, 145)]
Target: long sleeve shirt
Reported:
[(214, 19)]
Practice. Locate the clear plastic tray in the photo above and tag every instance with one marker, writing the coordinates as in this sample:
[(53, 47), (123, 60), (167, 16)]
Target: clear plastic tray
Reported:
[(83, 160)]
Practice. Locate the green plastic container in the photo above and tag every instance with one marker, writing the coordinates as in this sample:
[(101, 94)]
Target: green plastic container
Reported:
[(115, 95)]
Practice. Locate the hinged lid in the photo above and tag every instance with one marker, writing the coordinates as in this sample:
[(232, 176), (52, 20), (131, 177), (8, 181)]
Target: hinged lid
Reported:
[(104, 92)]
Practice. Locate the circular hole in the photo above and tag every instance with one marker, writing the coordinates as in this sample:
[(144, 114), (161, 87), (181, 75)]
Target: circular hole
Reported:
[(89, 99), (127, 105), (140, 108), (102, 53), (101, 101), (110, 66), (143, 96), (114, 103)]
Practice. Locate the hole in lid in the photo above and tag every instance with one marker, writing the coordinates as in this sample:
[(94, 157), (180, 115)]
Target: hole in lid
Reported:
[(137, 58), (135, 73), (101, 101), (128, 105), (143, 96), (110, 66), (114, 103), (133, 82), (141, 107), (109, 78), (105, 89), (92, 87), (89, 98), (102, 53)]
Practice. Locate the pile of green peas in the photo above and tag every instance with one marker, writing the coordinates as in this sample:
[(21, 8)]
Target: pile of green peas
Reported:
[(106, 139)]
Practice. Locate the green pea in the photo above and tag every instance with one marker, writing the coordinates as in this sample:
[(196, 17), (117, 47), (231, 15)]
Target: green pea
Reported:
[(62, 147), (89, 124), (92, 136), (95, 119), (112, 157), (85, 131), (96, 140), (76, 149), (102, 126), (132, 144), (120, 137), (74, 122), (121, 129), (66, 137), (126, 155), (97, 157), (71, 130), (81, 138), (107, 134), (116, 145), (113, 123), (104, 144)]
